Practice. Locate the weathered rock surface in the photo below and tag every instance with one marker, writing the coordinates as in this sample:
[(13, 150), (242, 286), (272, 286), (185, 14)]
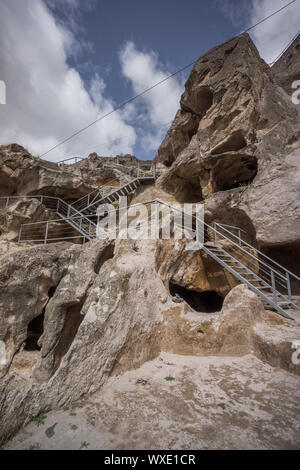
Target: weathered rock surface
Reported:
[(102, 323), (72, 316), (21, 211), (244, 154), (287, 68), (195, 270), (23, 174), (212, 403), (27, 278)]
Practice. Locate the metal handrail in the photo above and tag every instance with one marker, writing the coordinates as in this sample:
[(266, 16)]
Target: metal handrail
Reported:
[(265, 267), (265, 256), (59, 202), (71, 158), (222, 235), (98, 190)]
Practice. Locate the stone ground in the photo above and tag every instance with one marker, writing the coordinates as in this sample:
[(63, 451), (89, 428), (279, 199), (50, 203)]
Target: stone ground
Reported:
[(212, 403)]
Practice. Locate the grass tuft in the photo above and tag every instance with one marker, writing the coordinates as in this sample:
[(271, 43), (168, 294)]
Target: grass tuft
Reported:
[(39, 419)]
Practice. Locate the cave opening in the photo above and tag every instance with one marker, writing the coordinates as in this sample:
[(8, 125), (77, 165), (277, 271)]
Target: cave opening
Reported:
[(288, 256), (204, 99), (205, 302), (72, 322), (105, 255), (34, 332), (233, 173)]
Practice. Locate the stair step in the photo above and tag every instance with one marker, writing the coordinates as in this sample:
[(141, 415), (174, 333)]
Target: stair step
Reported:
[(252, 277)]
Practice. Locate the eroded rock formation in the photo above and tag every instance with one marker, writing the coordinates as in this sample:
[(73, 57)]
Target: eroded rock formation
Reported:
[(243, 154), (73, 315), (23, 174)]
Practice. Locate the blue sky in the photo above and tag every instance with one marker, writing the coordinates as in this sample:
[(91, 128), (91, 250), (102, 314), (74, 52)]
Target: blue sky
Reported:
[(179, 31), (67, 62)]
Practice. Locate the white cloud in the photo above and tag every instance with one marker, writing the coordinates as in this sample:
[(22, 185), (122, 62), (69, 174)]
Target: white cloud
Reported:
[(272, 36), (46, 99), (158, 106)]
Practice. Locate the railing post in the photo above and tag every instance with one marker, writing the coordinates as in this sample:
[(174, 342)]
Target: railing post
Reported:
[(57, 207), (46, 233), (20, 233), (273, 286), (239, 235), (215, 235), (41, 199), (7, 201), (288, 281), (197, 230), (154, 171)]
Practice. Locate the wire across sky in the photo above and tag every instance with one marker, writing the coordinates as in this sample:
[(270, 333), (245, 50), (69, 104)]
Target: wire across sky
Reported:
[(120, 106)]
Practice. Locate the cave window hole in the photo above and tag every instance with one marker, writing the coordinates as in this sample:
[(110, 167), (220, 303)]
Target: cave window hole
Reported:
[(207, 302), (34, 332)]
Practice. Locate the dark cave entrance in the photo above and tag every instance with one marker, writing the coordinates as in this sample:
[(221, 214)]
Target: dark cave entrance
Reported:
[(287, 256), (232, 173), (73, 320), (34, 332), (204, 100), (206, 302), (36, 327)]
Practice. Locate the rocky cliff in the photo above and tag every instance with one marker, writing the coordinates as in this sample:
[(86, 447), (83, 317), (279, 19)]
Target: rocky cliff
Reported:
[(73, 315), (234, 144)]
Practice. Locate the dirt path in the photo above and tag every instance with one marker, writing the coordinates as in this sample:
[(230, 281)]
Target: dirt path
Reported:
[(212, 403)]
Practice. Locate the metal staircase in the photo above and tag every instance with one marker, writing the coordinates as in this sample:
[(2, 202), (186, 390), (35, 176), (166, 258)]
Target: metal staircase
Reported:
[(110, 192), (225, 244), (83, 226), (271, 296), (80, 215)]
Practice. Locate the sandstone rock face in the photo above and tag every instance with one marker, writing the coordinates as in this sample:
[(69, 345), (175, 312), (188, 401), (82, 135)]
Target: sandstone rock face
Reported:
[(102, 315), (71, 316), (21, 211), (27, 278), (23, 174), (243, 157), (193, 270)]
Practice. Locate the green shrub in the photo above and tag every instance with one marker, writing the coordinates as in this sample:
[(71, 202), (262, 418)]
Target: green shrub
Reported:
[(39, 419), (84, 445), (65, 271)]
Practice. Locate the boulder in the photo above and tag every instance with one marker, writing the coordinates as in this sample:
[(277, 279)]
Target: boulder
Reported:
[(245, 149)]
